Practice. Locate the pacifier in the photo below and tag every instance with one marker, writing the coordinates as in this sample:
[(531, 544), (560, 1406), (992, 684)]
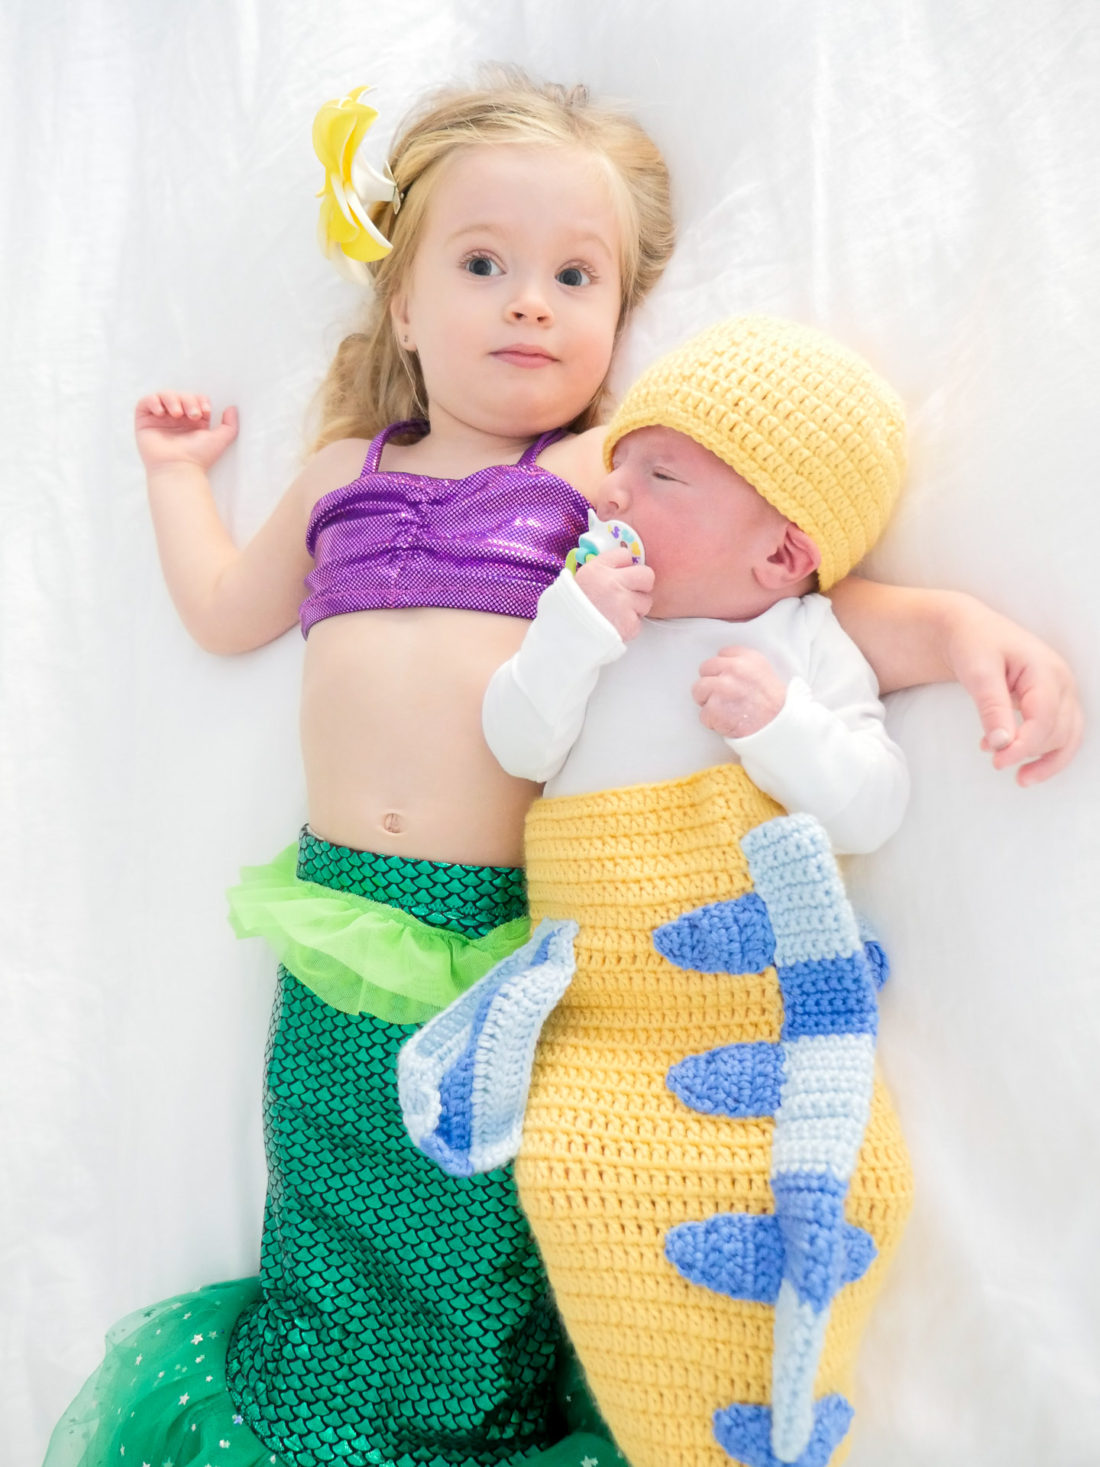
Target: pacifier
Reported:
[(607, 535)]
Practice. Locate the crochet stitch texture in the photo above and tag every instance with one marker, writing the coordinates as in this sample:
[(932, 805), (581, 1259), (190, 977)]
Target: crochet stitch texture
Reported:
[(666, 1224)]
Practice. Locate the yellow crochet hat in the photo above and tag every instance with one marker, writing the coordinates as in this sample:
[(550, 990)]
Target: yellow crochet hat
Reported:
[(801, 418)]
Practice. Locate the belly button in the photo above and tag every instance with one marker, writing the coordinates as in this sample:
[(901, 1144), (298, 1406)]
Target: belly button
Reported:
[(393, 822)]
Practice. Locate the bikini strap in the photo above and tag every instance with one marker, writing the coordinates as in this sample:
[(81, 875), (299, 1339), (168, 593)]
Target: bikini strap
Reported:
[(378, 443), (532, 453)]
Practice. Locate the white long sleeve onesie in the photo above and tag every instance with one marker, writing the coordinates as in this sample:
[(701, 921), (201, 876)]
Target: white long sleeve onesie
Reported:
[(581, 710)]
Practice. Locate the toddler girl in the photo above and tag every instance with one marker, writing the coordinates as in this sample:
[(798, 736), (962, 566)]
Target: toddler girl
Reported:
[(401, 1317)]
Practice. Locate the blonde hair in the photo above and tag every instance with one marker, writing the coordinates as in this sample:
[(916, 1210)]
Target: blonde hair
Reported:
[(371, 381)]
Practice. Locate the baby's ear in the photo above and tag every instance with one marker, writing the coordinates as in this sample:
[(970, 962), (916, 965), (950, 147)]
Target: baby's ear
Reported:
[(794, 559)]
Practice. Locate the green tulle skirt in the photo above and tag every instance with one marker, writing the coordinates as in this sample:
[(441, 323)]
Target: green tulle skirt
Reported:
[(401, 1317)]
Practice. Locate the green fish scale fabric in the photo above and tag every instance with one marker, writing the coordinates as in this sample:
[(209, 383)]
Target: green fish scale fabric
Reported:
[(404, 1317)]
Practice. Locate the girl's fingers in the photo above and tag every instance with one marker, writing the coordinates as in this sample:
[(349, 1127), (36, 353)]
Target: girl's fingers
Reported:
[(998, 718), (1044, 749), (1055, 760), (986, 681), (187, 408), (1048, 733), (192, 405), (227, 428)]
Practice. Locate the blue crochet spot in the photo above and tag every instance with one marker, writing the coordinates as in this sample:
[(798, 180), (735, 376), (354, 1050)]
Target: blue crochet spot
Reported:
[(877, 961), (742, 1256), (828, 996), (745, 1433), (735, 1080), (722, 937)]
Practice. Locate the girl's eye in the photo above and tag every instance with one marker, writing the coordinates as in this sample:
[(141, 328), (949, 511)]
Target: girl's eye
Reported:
[(481, 265), (574, 275)]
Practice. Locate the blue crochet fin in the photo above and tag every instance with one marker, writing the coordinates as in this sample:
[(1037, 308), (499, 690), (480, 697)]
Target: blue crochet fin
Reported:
[(744, 1255), (462, 1078), (734, 1080), (745, 1433), (722, 937), (874, 952)]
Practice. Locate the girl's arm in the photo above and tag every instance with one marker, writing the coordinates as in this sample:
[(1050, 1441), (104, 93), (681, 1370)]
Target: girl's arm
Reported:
[(229, 599), (914, 636)]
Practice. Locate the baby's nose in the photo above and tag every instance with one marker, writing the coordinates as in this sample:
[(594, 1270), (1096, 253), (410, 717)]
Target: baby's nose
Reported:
[(613, 498)]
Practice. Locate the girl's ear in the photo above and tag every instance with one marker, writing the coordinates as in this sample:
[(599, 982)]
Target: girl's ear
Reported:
[(795, 558), (399, 315)]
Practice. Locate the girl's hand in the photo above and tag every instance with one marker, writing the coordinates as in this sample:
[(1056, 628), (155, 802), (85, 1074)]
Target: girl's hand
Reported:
[(619, 589), (738, 692), (174, 428), (1008, 672)]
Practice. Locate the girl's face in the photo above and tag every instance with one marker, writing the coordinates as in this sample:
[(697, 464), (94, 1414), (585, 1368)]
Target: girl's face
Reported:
[(514, 293)]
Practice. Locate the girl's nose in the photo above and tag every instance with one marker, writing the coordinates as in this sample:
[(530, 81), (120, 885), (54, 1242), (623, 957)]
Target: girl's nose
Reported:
[(529, 303)]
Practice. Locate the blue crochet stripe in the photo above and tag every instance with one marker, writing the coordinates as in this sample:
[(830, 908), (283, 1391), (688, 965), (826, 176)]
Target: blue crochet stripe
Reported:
[(794, 872), (745, 1433), (824, 1105), (743, 1256), (817, 1083), (735, 1080), (815, 1237), (455, 1132), (830, 1019), (828, 996)]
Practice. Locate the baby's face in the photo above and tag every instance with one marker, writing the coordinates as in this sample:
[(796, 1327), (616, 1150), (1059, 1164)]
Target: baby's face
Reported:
[(703, 527)]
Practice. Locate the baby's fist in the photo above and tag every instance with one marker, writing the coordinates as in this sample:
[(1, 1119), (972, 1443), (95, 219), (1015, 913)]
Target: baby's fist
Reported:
[(738, 692), (618, 589)]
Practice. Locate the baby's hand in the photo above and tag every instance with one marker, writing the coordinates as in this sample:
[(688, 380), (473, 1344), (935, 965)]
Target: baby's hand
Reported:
[(174, 427), (738, 692), (620, 590)]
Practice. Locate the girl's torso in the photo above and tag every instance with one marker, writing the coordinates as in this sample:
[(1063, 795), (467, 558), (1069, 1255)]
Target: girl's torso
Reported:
[(421, 589)]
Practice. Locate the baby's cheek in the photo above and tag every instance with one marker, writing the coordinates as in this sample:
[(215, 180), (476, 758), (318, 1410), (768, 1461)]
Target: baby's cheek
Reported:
[(671, 556)]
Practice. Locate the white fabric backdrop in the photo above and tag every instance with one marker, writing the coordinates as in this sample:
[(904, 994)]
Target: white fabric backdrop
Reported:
[(919, 178)]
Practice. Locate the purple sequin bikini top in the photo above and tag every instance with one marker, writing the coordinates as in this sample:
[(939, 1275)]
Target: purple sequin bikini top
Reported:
[(491, 542)]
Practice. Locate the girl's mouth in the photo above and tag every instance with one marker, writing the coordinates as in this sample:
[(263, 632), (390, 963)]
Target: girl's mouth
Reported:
[(524, 356)]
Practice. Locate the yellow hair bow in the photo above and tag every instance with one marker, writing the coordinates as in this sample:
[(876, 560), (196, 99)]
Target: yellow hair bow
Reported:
[(345, 231)]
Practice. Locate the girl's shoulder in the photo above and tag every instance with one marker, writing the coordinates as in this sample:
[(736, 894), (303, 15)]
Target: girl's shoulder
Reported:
[(331, 467), (578, 458)]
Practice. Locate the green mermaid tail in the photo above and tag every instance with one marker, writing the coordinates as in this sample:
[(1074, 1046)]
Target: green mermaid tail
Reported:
[(401, 1318)]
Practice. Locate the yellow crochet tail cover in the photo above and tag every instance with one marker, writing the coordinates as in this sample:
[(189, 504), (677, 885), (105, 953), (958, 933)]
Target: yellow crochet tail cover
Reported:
[(612, 1159)]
